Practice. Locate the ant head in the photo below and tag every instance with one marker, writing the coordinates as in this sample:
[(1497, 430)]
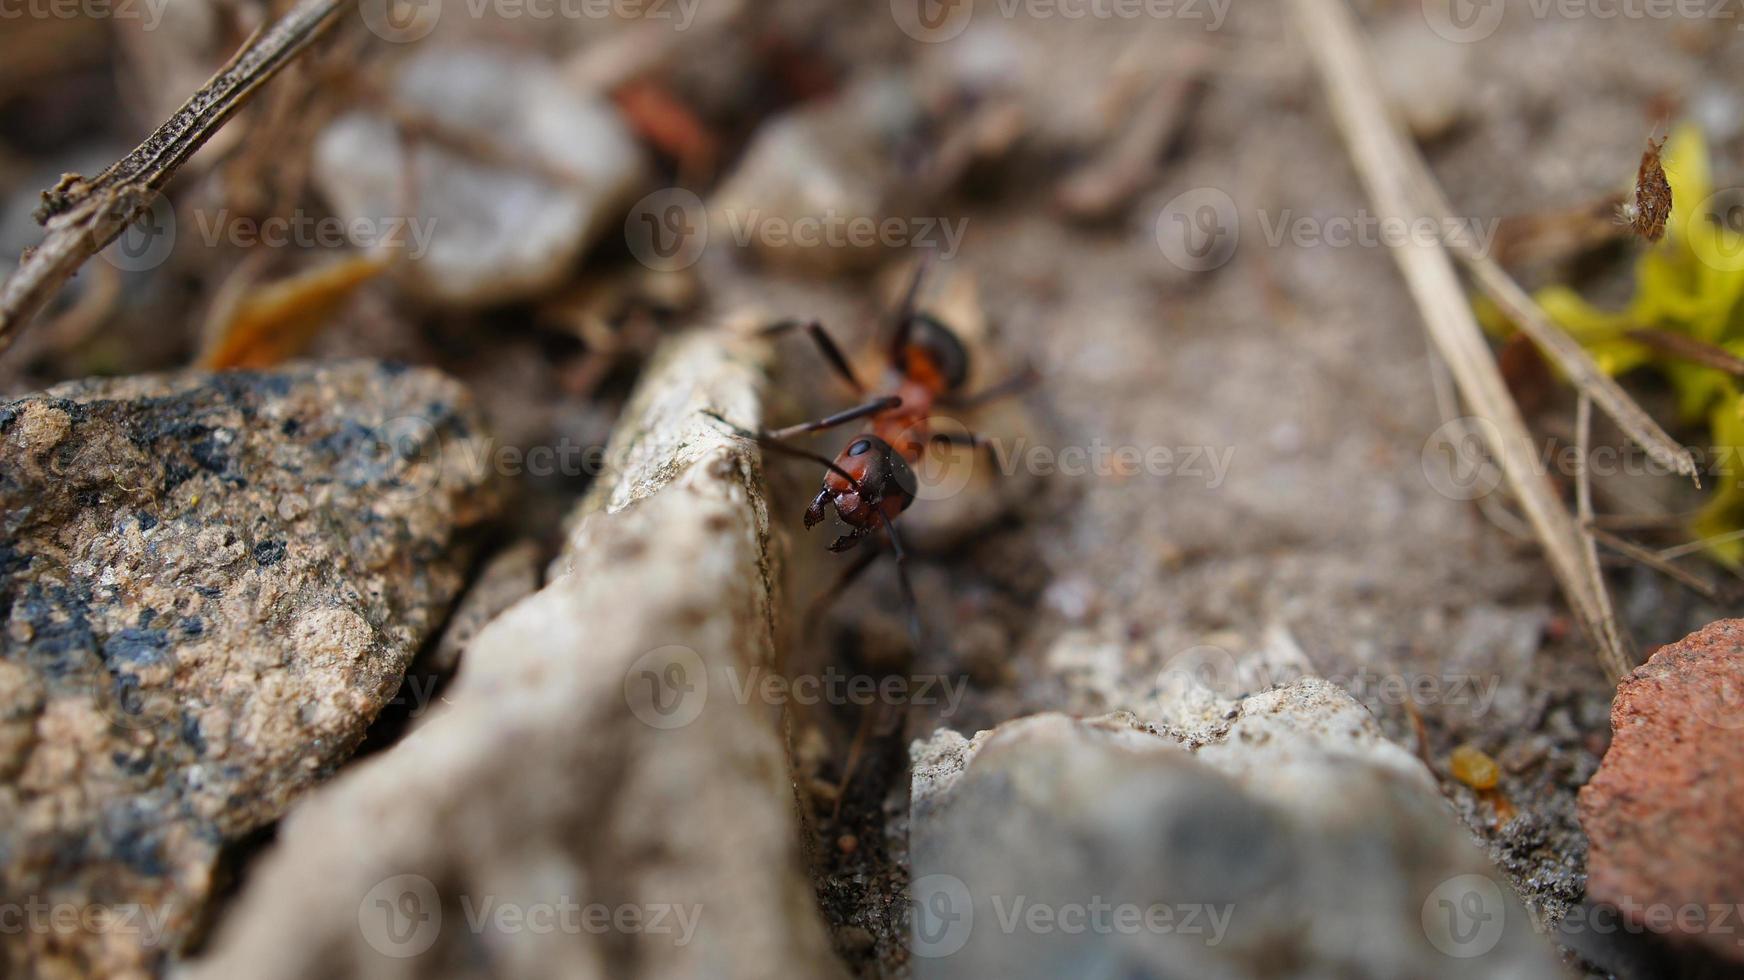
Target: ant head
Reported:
[(933, 355), (882, 482)]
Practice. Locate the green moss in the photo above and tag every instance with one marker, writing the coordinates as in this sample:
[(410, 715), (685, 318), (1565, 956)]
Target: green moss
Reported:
[(1690, 283)]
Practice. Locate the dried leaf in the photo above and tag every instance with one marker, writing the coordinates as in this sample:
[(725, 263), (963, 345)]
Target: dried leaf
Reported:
[(277, 321), (1649, 205)]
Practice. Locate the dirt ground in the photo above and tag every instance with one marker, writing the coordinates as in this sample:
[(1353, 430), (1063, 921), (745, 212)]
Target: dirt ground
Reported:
[(1326, 544)]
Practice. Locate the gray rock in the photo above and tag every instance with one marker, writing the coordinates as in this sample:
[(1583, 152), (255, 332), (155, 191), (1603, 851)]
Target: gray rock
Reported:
[(596, 799), (1288, 839), (209, 585), (478, 230), (815, 184)]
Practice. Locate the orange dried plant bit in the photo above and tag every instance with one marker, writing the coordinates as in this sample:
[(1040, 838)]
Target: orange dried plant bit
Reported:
[(660, 118), (1474, 767), (277, 321)]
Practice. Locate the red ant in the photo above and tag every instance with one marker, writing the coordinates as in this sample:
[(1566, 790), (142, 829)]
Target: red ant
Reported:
[(872, 481)]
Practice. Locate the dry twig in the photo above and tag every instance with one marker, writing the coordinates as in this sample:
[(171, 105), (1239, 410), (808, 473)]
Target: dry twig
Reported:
[(1392, 173), (1616, 637), (83, 215), (1521, 308), (1630, 549), (1688, 348)]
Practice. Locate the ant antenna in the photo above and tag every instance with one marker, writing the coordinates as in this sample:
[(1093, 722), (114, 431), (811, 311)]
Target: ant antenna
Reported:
[(770, 442), (908, 599)]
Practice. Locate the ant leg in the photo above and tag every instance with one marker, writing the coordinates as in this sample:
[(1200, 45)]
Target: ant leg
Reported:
[(869, 717), (826, 345), (905, 312), (972, 440), (815, 610), (903, 579), (1010, 386), (872, 407)]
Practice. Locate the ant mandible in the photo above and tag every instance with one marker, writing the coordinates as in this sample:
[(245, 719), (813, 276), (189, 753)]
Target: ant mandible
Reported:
[(871, 482)]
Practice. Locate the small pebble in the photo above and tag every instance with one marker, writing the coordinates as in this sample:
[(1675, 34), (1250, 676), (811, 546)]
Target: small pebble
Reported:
[(1473, 767)]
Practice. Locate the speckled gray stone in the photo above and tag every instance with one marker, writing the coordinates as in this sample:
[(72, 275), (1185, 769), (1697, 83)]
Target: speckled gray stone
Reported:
[(209, 585), (1286, 837)]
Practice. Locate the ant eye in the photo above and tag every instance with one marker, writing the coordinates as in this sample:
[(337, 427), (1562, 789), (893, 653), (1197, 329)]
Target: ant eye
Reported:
[(859, 447)]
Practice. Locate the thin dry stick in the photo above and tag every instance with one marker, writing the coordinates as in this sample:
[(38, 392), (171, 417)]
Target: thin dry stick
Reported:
[(1383, 160), (1692, 349), (1691, 547), (1583, 494), (1630, 549), (1568, 354), (1447, 401), (83, 216)]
